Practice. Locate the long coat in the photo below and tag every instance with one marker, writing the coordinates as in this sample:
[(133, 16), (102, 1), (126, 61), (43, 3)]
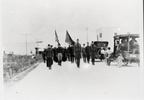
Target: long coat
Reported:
[(49, 55), (77, 50), (93, 51)]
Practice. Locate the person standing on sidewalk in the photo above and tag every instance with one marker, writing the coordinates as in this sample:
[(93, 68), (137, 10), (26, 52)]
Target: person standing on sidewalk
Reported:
[(77, 52), (93, 53), (88, 52), (59, 54), (49, 56)]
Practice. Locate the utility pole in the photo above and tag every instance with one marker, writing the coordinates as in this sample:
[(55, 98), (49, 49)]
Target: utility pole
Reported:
[(87, 34), (26, 42)]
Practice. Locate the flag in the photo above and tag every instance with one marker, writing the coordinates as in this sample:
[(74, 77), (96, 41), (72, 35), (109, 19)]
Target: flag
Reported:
[(56, 37), (68, 39)]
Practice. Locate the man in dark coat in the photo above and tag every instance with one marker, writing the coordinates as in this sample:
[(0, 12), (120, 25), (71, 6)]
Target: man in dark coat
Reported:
[(49, 56), (93, 53), (59, 54), (88, 52), (72, 53), (84, 53), (77, 52)]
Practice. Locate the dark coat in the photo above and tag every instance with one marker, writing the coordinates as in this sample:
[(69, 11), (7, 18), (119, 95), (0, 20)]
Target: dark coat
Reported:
[(59, 50), (77, 51), (49, 53), (93, 51), (88, 50)]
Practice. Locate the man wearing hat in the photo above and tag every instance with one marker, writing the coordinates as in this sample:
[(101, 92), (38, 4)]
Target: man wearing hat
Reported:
[(77, 52), (49, 56), (93, 53), (84, 53), (88, 52)]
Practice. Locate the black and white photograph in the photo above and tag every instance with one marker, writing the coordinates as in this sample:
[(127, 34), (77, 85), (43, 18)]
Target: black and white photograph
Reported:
[(72, 50)]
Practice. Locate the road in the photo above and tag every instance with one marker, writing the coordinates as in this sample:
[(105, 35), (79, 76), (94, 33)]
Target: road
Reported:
[(89, 82)]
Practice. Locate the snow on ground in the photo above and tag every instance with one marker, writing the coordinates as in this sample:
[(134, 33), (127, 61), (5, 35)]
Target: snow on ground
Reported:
[(89, 82)]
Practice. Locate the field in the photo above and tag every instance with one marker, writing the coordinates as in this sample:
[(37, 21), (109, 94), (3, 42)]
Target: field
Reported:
[(13, 65)]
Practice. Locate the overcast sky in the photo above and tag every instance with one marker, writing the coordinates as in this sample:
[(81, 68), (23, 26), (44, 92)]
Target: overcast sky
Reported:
[(39, 19)]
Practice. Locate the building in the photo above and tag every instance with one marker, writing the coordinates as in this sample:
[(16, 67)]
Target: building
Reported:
[(107, 34)]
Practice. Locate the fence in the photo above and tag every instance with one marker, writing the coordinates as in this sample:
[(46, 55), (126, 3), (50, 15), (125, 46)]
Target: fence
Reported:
[(13, 65)]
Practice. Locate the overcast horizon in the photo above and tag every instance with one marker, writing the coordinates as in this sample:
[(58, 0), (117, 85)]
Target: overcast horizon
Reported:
[(40, 18)]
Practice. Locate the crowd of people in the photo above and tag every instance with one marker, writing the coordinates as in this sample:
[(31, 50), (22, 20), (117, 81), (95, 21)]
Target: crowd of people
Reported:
[(73, 53)]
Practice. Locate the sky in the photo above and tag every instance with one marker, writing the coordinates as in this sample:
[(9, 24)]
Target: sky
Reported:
[(40, 18)]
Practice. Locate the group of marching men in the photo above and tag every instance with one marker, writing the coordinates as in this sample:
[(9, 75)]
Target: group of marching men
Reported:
[(73, 53)]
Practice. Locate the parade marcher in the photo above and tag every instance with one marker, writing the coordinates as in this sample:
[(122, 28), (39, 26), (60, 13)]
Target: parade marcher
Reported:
[(49, 56), (64, 57), (93, 53), (55, 55), (77, 52), (59, 54), (72, 53), (84, 53), (88, 52), (43, 55), (68, 53)]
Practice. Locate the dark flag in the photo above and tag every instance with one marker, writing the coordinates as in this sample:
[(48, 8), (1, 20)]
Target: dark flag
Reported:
[(56, 37), (68, 39)]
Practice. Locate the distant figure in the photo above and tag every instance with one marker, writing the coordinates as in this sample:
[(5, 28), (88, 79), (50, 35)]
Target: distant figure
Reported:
[(49, 56), (59, 54), (72, 53), (77, 52), (68, 53), (55, 55), (120, 60), (88, 52), (84, 53), (93, 53), (64, 58)]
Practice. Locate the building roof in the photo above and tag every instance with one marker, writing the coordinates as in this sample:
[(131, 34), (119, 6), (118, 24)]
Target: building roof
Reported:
[(127, 35)]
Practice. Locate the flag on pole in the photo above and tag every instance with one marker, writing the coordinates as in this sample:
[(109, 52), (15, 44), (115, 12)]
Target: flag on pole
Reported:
[(68, 39), (56, 37)]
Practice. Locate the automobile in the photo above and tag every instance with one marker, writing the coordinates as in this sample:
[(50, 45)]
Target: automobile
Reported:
[(99, 45), (122, 45)]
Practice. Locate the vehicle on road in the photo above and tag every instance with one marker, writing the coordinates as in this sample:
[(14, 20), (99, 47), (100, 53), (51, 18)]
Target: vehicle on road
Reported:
[(99, 45), (126, 45)]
